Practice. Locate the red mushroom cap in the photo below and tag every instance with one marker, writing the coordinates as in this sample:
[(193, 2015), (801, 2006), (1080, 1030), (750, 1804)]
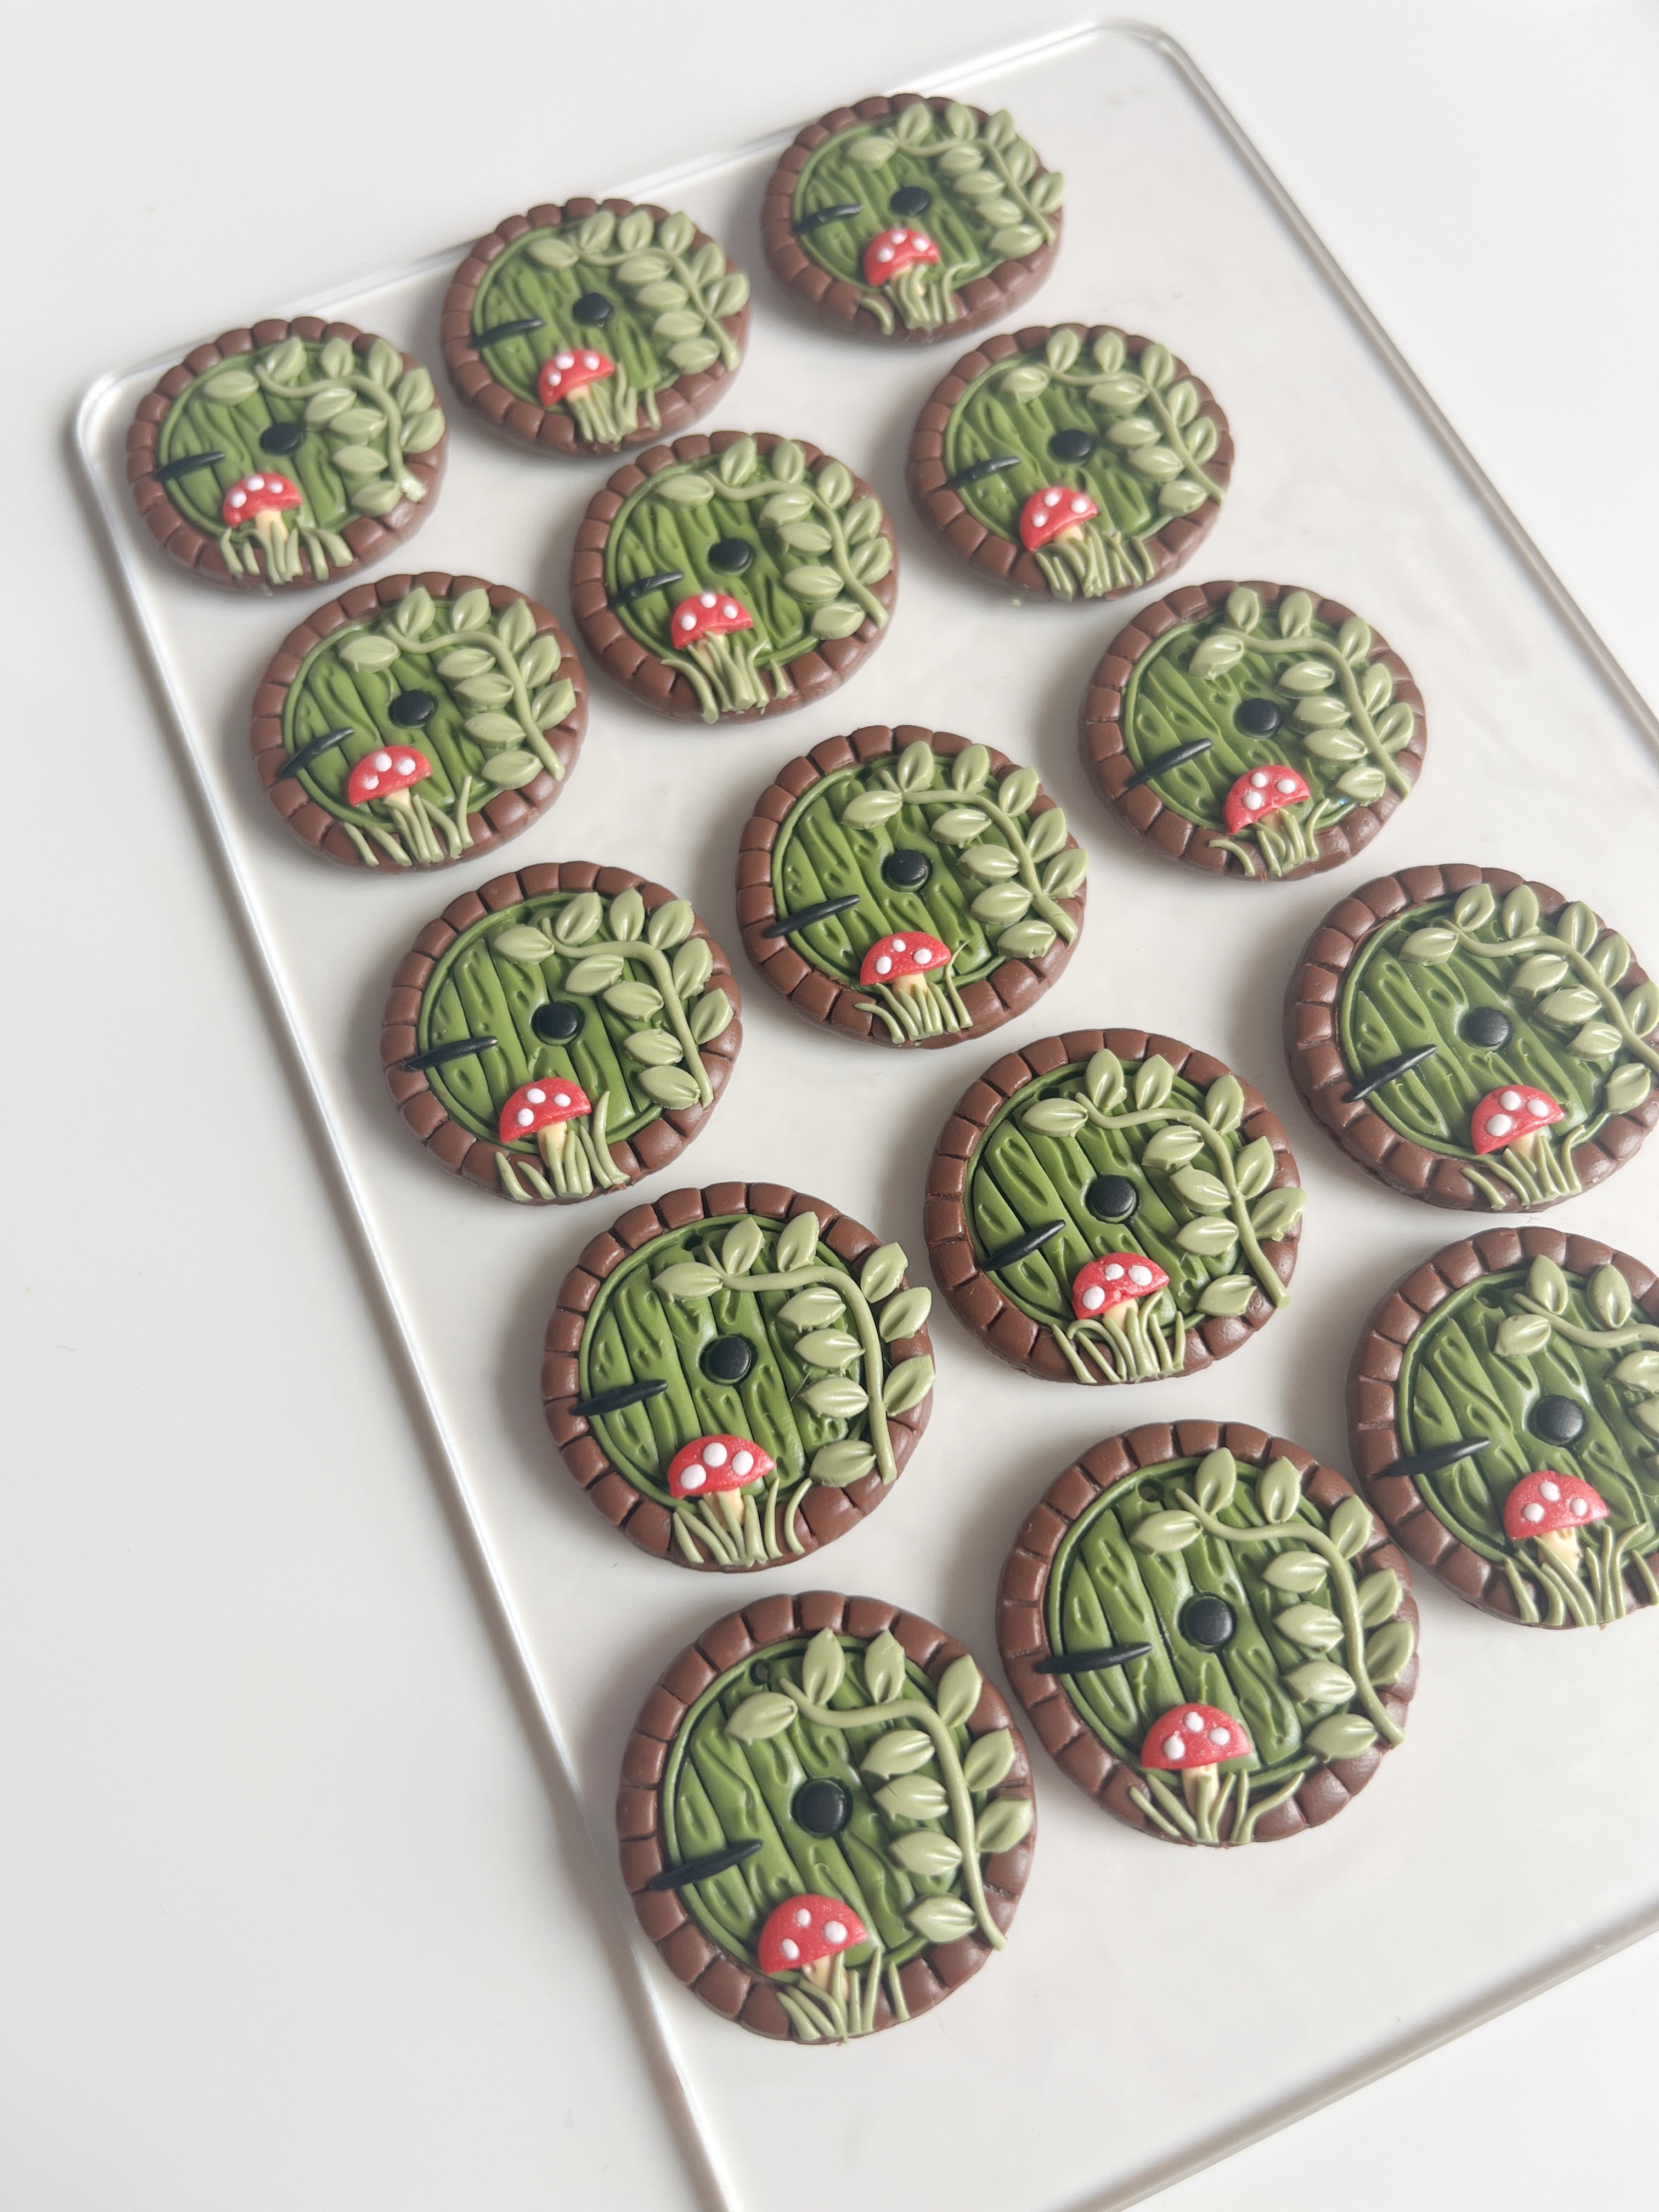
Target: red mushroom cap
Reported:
[(541, 1105), (383, 774), (710, 1463), (250, 497), (1113, 1281), (804, 1929), (707, 614), (565, 374), (891, 251), (1049, 514), (1189, 1736), (1540, 1503), (893, 959), (1503, 1116), (1261, 792)]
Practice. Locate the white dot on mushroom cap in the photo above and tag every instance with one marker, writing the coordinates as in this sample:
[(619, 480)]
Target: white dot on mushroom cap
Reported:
[(239, 499), (713, 1455), (1259, 781), (802, 1918), (1550, 1490), (524, 1117), (371, 783), (693, 1479), (1285, 783), (1051, 499), (730, 610), (1094, 1297), (884, 253), (688, 622), (835, 1932), (705, 599), (405, 762), (1218, 1736), (923, 956), (590, 361), (1174, 1746), (1532, 1512), (1115, 1272), (1499, 1124), (741, 1461), (1079, 507), (561, 1097), (1194, 1724), (884, 965), (1142, 1275), (898, 944), (1538, 1105), (1509, 1099), (1581, 1505), (535, 1097), (1253, 799), (383, 761), (789, 1949), (256, 484), (564, 361)]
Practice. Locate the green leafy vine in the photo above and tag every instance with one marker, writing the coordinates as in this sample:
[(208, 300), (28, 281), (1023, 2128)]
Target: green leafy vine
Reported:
[(1231, 1204), (1376, 1647)]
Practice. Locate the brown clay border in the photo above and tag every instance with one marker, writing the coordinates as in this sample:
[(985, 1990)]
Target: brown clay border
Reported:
[(371, 538), (1111, 765), (553, 429), (975, 1299), (1372, 1406), (1023, 1638), (722, 1981), (1322, 1076), (826, 1513), (504, 815), (822, 669), (1003, 561), (986, 299), (448, 1141), (1008, 990)]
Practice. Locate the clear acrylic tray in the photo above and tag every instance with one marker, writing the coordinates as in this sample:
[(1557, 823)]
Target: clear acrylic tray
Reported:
[(1156, 2008)]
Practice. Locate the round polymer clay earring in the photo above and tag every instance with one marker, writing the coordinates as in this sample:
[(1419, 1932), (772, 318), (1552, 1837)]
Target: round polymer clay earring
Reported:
[(825, 1818), (286, 454), (911, 218), (1504, 1404), (1253, 729), (1072, 463), (1211, 1633), (418, 720), (1108, 1206), (907, 886), (1474, 1040), (725, 578), (738, 1376), (596, 325), (560, 1032)]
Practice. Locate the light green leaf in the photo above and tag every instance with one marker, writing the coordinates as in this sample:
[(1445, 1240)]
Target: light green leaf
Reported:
[(1228, 1296), (1364, 785), (467, 660), (1025, 940), (831, 1348), (231, 387), (759, 1718), (989, 864), (589, 977), (1216, 1480), (913, 1797), (1102, 1079), (1024, 384), (1638, 1370), (672, 1088), (1379, 1596), (676, 232), (656, 1049), (636, 1002), (366, 651), (1521, 1336), (1596, 1041), (837, 1397), (358, 422), (470, 610), (1541, 973), (693, 964), (490, 690), (1046, 835), (553, 251), (1641, 1009), (897, 1750), (988, 1760), (805, 537), (1315, 1627), (1321, 1682), (822, 1668), (1574, 1003), (522, 943), (1518, 915), (1576, 925), (1154, 1080), (1205, 1193), (861, 520), (1279, 1492), (905, 1314), (1296, 615), (1253, 1170), (838, 1464), (682, 488), (1351, 1527), (1211, 1236), (1475, 906), (1002, 1825), (711, 1017), (1001, 903), (958, 1691), (627, 915), (1547, 1286), (730, 295), (815, 1307), (1627, 1088), (871, 808), (579, 920), (1304, 677), (337, 359), (692, 356), (555, 705), (941, 1919), (883, 1678), (1354, 640), (812, 584), (907, 1385), (1223, 1104), (1165, 1532), (797, 1242), (358, 461), (1431, 945), (1171, 1147), (1611, 958), (1243, 608), (960, 825), (873, 151), (1334, 745), (835, 484), (1299, 1572), (1016, 241), (742, 1245), (1054, 1117), (841, 618), (1274, 1216), (1388, 1653), (882, 1272), (634, 231), (325, 406), (1343, 1735)]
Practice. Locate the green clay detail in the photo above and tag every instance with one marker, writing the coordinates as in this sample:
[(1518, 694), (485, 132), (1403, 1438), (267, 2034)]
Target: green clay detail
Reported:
[(738, 1760), (817, 555), (669, 310), (593, 955), (486, 733), (362, 414), (987, 205), (817, 1398), (1575, 1035), (1468, 1372), (1297, 1659), (992, 865), (1017, 407), (1203, 1209), (1340, 728)]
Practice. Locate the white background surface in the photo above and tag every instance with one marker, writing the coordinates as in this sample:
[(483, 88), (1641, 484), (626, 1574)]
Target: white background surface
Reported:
[(286, 1913)]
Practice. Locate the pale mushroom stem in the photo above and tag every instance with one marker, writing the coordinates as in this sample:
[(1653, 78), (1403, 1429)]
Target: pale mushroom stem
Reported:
[(730, 668), (567, 1163), (1200, 1787), (412, 822), (273, 535)]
